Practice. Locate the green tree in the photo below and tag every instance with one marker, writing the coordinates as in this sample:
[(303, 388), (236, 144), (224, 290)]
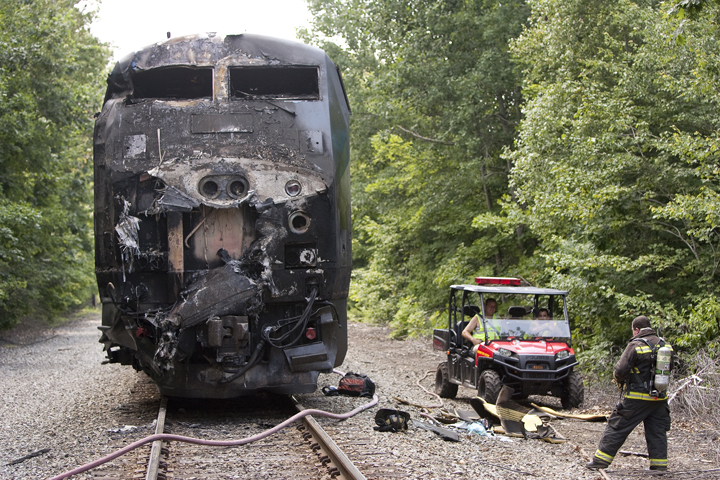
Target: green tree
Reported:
[(435, 99), (616, 165), (50, 86)]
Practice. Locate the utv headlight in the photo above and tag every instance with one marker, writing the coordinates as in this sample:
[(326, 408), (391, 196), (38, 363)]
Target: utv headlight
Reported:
[(562, 354), (505, 352)]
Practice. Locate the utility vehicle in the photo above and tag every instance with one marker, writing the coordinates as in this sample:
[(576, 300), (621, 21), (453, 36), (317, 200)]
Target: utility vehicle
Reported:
[(525, 344)]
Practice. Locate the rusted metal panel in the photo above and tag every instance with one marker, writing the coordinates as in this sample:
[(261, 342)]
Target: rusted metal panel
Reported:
[(176, 257)]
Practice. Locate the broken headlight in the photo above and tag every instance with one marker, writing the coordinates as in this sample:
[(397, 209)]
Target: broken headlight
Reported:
[(223, 187), (293, 188), (237, 187), (299, 222)]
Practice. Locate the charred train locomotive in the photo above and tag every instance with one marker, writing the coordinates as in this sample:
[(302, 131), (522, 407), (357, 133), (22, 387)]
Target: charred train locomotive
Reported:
[(222, 215)]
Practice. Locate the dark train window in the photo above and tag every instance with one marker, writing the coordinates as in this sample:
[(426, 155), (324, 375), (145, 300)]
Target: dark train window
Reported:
[(290, 82), (179, 82)]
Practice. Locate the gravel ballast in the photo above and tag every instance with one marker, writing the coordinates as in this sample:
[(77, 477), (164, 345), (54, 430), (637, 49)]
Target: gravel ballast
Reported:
[(56, 395)]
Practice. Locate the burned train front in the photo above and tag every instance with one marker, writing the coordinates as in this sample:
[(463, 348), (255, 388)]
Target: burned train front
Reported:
[(222, 215)]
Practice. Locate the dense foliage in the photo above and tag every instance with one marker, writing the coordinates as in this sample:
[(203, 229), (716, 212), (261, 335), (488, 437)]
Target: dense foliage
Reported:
[(607, 175), (50, 86), (616, 164), (435, 100)]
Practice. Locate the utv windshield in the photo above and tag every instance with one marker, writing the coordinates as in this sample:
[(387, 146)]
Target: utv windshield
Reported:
[(527, 329), (524, 316)]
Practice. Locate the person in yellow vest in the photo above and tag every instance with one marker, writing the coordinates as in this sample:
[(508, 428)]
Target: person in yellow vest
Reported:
[(640, 402), (474, 331)]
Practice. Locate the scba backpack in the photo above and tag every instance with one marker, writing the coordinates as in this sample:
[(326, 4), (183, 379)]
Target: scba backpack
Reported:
[(661, 364), (353, 385)]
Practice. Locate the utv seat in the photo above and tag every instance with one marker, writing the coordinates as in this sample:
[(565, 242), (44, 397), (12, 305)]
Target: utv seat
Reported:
[(517, 312), (459, 339), (471, 310)]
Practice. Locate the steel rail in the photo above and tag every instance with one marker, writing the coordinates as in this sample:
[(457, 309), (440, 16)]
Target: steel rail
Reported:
[(217, 443), (156, 450), (332, 457)]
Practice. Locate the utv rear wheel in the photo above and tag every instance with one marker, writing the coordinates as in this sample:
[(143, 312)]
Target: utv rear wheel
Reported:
[(489, 386), (443, 387), (573, 392)]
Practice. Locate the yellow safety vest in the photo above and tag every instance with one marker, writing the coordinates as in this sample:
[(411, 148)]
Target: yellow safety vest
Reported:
[(479, 332)]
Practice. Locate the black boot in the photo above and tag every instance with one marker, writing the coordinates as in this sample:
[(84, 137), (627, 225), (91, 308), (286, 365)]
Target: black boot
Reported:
[(597, 465)]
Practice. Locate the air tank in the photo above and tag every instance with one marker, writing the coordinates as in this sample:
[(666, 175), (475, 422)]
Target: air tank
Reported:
[(662, 368)]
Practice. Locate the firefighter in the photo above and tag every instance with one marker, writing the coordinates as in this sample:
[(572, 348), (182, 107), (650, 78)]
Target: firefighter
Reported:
[(640, 403)]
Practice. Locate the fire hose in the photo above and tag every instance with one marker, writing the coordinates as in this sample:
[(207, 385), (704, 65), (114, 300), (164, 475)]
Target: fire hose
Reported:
[(216, 443)]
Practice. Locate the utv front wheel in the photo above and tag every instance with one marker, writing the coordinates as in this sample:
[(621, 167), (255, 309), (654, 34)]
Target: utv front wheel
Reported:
[(489, 386), (573, 392), (443, 387)]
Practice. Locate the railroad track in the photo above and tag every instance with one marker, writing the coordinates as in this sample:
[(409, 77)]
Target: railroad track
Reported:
[(304, 452), (301, 450), (361, 448)]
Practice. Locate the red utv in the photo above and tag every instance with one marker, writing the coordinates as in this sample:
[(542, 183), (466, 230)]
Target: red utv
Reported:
[(526, 344)]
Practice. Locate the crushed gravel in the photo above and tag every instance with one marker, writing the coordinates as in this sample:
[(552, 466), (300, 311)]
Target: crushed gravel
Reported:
[(56, 395)]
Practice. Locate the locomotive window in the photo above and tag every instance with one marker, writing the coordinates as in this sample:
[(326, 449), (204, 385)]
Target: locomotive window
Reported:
[(290, 82), (179, 82)]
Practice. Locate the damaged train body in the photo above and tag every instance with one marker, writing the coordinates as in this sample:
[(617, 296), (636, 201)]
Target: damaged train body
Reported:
[(222, 215)]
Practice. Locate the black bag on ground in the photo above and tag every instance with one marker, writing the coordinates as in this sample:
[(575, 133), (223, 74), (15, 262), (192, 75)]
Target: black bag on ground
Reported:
[(353, 385)]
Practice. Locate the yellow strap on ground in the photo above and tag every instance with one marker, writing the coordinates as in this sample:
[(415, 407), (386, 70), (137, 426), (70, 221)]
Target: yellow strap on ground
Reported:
[(583, 416)]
